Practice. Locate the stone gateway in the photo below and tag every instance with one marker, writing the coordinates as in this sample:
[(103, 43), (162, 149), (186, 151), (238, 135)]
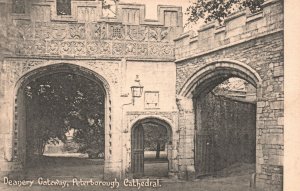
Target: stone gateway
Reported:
[(173, 71)]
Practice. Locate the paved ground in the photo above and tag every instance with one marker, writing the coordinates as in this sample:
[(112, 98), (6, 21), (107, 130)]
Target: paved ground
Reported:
[(235, 178), (203, 185)]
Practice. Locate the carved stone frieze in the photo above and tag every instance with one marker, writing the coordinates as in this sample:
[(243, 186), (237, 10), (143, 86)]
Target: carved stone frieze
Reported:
[(79, 48), (142, 49), (53, 47), (118, 48), (103, 30), (25, 30), (99, 31), (59, 31), (40, 47), (138, 33), (66, 48), (136, 114), (77, 31), (160, 49), (164, 35), (92, 39), (131, 49), (105, 48), (117, 32), (42, 31), (153, 34)]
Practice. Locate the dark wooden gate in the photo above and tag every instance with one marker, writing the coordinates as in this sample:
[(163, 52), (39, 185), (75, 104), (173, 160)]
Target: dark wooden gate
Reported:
[(204, 160), (137, 155)]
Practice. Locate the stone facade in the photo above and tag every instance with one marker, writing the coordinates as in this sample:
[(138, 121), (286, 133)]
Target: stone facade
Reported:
[(114, 50), (249, 47)]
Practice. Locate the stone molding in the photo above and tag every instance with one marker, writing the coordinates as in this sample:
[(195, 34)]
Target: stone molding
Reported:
[(237, 28), (238, 68)]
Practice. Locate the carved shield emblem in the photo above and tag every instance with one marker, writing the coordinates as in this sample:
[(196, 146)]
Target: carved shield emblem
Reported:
[(137, 32)]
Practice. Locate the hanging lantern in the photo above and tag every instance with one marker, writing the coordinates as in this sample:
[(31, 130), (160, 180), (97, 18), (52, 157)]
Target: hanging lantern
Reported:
[(136, 89)]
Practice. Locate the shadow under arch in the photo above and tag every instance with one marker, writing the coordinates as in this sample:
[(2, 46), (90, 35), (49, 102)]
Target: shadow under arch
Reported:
[(195, 89), (19, 111), (214, 73), (137, 142), (85, 72)]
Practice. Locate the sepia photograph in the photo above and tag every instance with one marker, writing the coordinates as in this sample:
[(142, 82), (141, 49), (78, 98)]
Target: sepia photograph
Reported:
[(142, 95)]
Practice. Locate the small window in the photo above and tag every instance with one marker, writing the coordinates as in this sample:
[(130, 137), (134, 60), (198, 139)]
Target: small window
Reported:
[(63, 7), (18, 6)]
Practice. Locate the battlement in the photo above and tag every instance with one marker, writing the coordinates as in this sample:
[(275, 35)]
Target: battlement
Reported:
[(40, 32), (239, 27), (92, 11)]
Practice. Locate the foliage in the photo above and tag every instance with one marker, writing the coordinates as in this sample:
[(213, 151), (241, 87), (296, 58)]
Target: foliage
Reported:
[(156, 137), (59, 102), (210, 10)]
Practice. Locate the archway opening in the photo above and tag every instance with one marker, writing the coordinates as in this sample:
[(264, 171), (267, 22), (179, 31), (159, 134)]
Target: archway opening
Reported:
[(225, 137), (151, 147), (60, 120)]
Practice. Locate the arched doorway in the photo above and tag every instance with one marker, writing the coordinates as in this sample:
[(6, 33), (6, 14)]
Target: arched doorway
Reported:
[(225, 129), (151, 142), (224, 126), (60, 120)]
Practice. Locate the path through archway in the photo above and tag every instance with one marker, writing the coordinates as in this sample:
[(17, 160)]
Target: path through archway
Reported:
[(60, 123), (150, 145)]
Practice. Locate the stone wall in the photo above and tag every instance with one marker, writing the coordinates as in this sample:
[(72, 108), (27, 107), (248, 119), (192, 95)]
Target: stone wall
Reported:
[(239, 27), (40, 32), (257, 58), (110, 49), (249, 46)]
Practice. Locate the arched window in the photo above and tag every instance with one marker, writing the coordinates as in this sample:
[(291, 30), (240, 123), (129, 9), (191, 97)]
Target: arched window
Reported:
[(18, 6), (63, 7)]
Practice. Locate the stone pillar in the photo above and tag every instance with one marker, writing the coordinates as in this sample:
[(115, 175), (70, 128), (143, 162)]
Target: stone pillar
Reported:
[(186, 138), (7, 165), (169, 156), (113, 158), (269, 136)]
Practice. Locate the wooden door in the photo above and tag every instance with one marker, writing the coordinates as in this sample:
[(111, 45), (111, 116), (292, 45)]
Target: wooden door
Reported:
[(137, 155), (204, 155)]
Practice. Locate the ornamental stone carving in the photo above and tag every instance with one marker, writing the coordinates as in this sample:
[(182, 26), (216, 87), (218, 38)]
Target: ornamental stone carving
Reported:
[(137, 33), (77, 31), (91, 39), (135, 114), (99, 31), (116, 32)]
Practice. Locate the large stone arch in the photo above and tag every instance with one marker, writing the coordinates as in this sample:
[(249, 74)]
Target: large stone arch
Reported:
[(18, 136), (200, 83), (166, 123), (213, 73)]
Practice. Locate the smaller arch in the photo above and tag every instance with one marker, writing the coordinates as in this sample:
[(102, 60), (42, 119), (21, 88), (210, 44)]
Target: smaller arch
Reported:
[(216, 72), (137, 142), (153, 119)]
